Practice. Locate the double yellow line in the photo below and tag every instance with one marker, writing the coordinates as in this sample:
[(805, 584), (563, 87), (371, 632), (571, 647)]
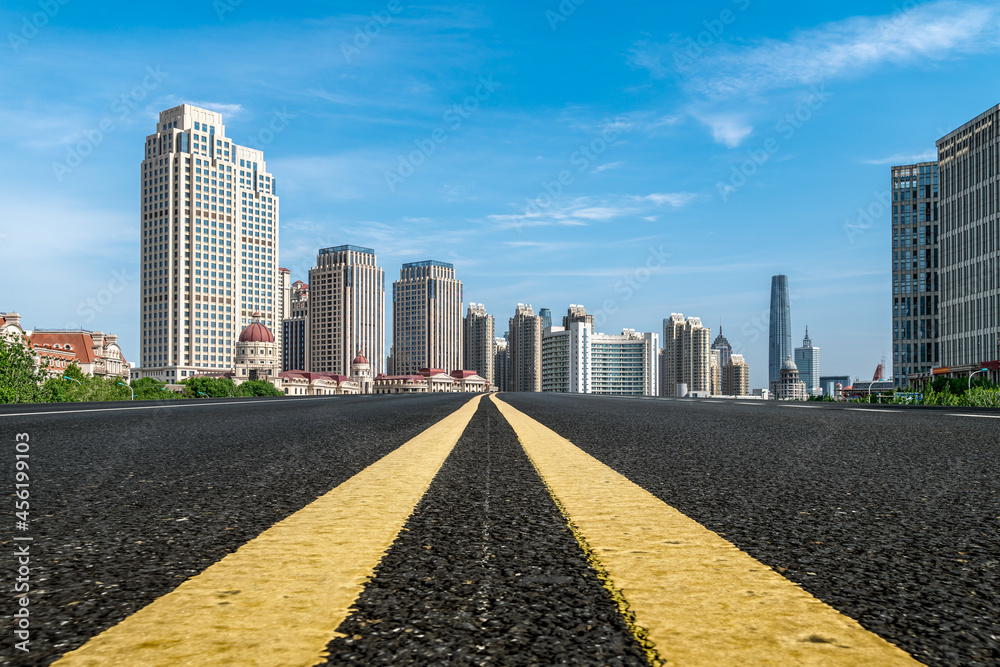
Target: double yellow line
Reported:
[(689, 596)]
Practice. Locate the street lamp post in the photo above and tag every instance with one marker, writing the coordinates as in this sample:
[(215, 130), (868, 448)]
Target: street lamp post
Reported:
[(129, 388), (981, 370)]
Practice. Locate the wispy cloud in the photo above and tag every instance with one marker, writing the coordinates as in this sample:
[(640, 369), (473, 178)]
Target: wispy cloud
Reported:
[(926, 156), (727, 129), (931, 31), (583, 211)]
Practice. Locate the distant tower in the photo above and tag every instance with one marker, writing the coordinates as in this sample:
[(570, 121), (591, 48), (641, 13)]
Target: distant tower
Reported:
[(723, 347), (807, 361), (546, 315), (780, 334)]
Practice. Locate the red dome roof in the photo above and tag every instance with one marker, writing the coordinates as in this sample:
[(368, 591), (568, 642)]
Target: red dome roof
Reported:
[(360, 359), (256, 333)]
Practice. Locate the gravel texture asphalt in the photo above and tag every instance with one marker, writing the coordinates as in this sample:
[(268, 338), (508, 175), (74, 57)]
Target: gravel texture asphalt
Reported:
[(890, 517), (125, 505), (486, 572)]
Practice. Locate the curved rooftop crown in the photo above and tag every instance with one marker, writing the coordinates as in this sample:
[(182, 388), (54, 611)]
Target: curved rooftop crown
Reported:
[(789, 365), (256, 332), (360, 359)]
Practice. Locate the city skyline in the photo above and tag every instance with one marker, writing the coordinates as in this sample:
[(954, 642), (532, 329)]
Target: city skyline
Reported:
[(342, 128)]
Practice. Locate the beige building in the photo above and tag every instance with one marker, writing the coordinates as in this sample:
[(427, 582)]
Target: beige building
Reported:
[(209, 245), (432, 380), (788, 387), (715, 372), (525, 348), (346, 310), (686, 358), (257, 354), (94, 352), (427, 318), (479, 341), (736, 377)]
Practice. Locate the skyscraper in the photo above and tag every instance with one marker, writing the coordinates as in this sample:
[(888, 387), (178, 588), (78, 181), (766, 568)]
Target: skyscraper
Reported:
[(970, 251), (209, 245), (427, 318), (501, 364), (736, 377), (525, 347), (807, 362), (346, 310), (295, 329), (915, 285), (780, 327), (479, 341), (686, 356), (546, 316), (724, 348)]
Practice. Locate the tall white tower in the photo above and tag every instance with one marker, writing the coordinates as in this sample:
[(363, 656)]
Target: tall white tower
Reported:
[(209, 245)]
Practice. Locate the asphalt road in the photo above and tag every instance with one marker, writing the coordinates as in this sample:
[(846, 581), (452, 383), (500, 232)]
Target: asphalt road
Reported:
[(889, 516)]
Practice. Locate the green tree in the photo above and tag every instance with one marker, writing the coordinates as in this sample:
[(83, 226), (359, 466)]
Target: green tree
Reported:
[(258, 388), (151, 389), (208, 387), (18, 376)]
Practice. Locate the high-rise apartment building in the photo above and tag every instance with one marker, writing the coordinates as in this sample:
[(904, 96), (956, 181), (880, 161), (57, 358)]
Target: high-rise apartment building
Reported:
[(346, 310), (284, 292), (209, 245), (501, 364), (686, 356), (577, 313), (479, 341), (915, 283), (736, 377), (427, 318), (295, 329), (780, 327), (714, 373), (525, 347), (807, 361), (969, 242)]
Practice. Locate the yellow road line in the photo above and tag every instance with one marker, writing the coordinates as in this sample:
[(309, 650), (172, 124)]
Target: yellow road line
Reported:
[(694, 596), (279, 599)]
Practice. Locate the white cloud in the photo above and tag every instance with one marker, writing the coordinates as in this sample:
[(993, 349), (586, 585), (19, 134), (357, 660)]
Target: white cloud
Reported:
[(926, 156), (931, 31), (582, 211), (605, 167)]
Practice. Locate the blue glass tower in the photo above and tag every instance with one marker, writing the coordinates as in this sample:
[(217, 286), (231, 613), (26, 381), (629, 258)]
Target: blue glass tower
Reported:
[(780, 335)]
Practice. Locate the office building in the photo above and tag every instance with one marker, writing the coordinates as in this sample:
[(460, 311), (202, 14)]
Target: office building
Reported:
[(427, 318), (969, 245), (546, 315), (209, 218), (501, 364), (295, 329), (736, 377), (686, 358), (346, 313), (828, 383), (807, 362), (779, 328), (478, 341), (209, 245), (721, 344), (915, 281), (525, 347)]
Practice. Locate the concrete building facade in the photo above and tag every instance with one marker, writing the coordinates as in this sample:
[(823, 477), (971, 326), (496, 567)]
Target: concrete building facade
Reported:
[(346, 310), (970, 243), (525, 347), (427, 318), (736, 377), (209, 214), (686, 356), (478, 341)]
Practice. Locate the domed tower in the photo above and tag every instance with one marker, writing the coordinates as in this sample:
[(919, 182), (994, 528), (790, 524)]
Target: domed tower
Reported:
[(257, 356), (361, 372)]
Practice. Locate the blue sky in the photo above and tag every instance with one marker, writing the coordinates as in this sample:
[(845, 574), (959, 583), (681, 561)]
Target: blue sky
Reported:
[(640, 159)]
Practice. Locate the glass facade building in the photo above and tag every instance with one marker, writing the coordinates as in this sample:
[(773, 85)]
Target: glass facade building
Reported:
[(780, 327)]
